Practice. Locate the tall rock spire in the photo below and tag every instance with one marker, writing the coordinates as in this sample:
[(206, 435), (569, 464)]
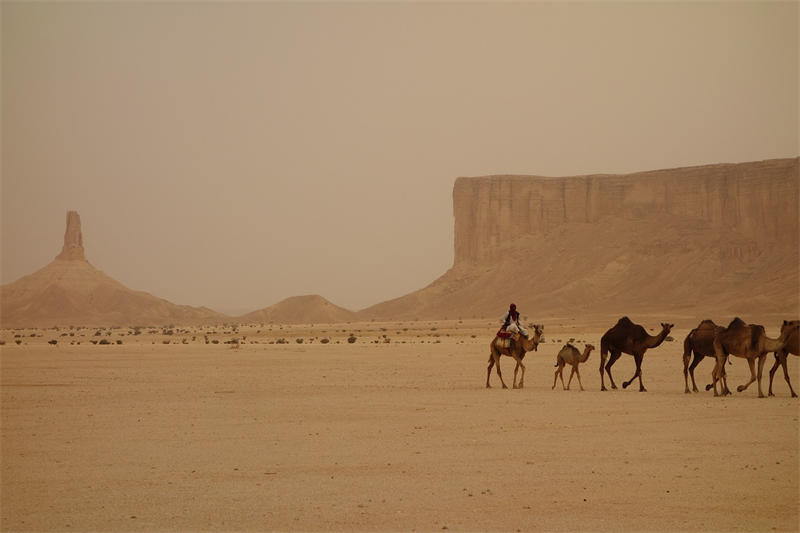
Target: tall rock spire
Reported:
[(73, 239)]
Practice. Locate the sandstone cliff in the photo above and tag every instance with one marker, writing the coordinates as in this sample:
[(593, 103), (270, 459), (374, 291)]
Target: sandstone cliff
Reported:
[(719, 239)]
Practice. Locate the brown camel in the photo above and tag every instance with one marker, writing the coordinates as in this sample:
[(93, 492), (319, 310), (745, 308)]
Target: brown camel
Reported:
[(517, 350), (570, 355), (791, 329), (700, 341), (749, 341), (630, 338)]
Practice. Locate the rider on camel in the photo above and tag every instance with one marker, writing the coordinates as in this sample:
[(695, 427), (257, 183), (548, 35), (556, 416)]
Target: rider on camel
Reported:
[(511, 323)]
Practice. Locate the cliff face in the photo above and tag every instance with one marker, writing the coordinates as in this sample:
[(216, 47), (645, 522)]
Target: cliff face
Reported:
[(710, 241), (755, 200)]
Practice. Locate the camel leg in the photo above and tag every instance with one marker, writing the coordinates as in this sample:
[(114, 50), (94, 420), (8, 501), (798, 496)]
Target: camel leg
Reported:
[(723, 379), (786, 375), (772, 373), (686, 355), (489, 371), (602, 375), (637, 374), (611, 360), (555, 375), (519, 366), (578, 373), (780, 359), (715, 374), (569, 381), (761, 360), (696, 361), (752, 364), (499, 374), (723, 374)]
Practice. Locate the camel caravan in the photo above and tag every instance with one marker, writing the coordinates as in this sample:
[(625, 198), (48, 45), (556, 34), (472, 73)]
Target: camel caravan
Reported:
[(738, 339)]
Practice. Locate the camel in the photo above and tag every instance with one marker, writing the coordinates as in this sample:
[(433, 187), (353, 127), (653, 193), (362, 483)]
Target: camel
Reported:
[(630, 338), (749, 341), (790, 328), (519, 345), (700, 341), (570, 355)]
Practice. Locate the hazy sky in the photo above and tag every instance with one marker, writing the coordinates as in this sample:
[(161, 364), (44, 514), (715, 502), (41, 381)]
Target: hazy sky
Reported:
[(232, 155)]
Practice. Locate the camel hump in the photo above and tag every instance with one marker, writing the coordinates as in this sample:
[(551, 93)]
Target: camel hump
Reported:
[(624, 321), (756, 332), (736, 323), (707, 324)]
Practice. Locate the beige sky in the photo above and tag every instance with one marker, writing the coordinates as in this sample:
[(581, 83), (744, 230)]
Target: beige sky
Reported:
[(232, 155)]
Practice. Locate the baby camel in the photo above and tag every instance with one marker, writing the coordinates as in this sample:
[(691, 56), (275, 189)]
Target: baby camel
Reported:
[(570, 355)]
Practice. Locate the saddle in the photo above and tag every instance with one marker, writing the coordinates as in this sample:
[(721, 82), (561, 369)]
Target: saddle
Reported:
[(504, 338)]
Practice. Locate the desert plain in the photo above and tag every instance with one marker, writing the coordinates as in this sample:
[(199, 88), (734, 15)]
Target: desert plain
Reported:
[(166, 430)]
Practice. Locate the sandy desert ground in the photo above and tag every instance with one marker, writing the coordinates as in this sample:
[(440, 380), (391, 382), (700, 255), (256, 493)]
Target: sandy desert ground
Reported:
[(381, 436)]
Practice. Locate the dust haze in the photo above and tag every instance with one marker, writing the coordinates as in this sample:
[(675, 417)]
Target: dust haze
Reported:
[(232, 155)]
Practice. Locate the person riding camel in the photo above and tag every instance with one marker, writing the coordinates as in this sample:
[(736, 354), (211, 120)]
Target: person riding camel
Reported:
[(511, 323)]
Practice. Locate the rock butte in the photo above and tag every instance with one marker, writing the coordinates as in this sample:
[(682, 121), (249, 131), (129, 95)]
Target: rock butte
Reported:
[(708, 240)]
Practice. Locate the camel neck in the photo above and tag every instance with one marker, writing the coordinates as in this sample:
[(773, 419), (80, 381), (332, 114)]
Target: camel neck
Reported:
[(653, 342)]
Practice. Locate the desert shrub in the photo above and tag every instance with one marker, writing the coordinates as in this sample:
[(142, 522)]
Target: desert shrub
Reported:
[(351, 339), (119, 341), (2, 342), (93, 341), (669, 338), (165, 342), (104, 341), (18, 341), (324, 340), (98, 333), (299, 340), (215, 341), (53, 342)]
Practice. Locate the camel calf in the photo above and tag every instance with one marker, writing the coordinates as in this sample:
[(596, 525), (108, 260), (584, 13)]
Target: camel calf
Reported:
[(570, 355)]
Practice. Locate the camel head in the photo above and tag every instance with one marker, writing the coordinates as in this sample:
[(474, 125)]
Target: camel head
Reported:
[(532, 343), (587, 350), (666, 328), (788, 328)]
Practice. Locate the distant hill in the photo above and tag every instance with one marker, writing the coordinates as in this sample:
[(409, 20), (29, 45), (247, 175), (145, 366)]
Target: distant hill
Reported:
[(310, 309), (70, 291), (714, 240)]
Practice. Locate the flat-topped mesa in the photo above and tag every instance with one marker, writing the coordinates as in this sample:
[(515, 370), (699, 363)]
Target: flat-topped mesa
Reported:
[(73, 239), (757, 199)]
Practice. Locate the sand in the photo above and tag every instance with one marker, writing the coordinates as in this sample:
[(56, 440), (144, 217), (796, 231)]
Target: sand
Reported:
[(377, 436)]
